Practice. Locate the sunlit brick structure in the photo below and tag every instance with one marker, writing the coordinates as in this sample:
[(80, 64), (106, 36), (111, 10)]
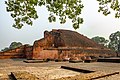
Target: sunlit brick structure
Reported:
[(60, 44)]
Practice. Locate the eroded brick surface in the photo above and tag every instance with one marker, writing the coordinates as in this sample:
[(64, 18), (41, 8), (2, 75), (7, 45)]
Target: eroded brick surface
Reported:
[(59, 44)]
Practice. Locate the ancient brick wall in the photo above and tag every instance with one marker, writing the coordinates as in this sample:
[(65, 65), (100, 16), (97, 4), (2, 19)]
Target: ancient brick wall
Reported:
[(37, 48), (28, 51), (59, 44), (67, 39), (24, 51), (39, 45), (72, 53), (47, 54), (14, 53)]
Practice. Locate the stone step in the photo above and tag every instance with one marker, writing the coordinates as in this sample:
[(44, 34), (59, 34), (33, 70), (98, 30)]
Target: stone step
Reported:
[(35, 61), (77, 69)]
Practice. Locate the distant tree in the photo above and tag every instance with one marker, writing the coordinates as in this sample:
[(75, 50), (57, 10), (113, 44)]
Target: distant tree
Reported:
[(15, 45), (115, 41), (24, 11), (100, 40), (5, 49)]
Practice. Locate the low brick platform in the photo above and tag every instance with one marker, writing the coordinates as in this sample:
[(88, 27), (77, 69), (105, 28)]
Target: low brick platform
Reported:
[(35, 61), (112, 60), (22, 75)]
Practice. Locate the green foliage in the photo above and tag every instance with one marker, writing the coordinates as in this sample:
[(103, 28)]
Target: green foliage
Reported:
[(115, 41), (14, 45), (100, 40), (106, 5), (5, 49), (23, 11)]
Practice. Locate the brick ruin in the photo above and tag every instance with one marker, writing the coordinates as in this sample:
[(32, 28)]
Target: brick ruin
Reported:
[(20, 52), (59, 44)]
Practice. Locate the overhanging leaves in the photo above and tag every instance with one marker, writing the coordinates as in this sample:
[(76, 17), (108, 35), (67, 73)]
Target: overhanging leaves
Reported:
[(23, 11)]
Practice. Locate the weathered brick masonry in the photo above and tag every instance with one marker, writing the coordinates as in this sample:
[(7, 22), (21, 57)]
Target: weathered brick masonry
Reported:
[(24, 51), (59, 44), (66, 44)]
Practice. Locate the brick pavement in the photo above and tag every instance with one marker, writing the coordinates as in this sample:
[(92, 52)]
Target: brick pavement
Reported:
[(52, 70)]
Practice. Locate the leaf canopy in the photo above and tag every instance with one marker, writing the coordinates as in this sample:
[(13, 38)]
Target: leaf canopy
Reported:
[(24, 11), (115, 41)]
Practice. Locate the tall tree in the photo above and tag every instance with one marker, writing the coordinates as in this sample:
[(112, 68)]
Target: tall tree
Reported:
[(100, 40), (14, 45), (23, 11), (5, 49), (115, 41)]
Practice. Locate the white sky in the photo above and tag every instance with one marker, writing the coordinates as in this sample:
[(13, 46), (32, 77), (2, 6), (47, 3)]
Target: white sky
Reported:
[(95, 24)]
